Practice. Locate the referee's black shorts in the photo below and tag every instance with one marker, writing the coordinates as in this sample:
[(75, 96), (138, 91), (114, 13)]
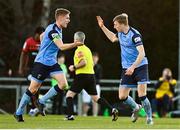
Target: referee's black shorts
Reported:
[(86, 82)]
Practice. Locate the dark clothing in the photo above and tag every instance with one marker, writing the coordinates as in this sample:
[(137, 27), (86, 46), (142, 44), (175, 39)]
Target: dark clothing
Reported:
[(164, 105), (40, 71), (98, 73), (139, 76), (57, 102), (86, 82), (164, 95)]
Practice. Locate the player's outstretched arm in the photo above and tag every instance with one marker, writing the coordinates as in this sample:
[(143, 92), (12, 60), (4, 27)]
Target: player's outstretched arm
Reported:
[(66, 46), (110, 35)]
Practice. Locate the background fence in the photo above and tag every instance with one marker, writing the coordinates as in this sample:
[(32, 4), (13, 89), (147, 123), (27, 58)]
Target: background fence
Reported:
[(13, 88)]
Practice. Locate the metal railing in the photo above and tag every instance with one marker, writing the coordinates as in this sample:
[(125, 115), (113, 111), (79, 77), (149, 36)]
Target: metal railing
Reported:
[(19, 84)]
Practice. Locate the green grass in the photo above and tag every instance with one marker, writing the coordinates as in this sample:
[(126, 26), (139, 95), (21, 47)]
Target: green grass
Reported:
[(57, 122)]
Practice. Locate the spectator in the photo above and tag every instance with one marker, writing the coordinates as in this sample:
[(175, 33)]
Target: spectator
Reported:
[(165, 92), (98, 75), (58, 99)]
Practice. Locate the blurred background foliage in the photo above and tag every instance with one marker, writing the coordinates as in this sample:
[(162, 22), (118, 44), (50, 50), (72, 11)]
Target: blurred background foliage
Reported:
[(157, 21)]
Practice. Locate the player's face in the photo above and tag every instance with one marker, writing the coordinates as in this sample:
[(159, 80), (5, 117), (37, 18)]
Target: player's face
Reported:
[(61, 60), (167, 72), (118, 26), (64, 20), (95, 59)]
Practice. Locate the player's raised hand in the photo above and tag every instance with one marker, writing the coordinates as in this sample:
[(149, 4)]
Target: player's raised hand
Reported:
[(100, 21)]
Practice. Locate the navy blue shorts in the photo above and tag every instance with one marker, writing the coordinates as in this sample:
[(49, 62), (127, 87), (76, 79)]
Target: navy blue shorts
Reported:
[(140, 76), (40, 71)]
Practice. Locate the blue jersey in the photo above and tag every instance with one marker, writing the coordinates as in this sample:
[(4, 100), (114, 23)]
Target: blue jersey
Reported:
[(128, 43), (47, 54)]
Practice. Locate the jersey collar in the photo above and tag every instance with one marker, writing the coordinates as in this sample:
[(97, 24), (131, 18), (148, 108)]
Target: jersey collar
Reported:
[(55, 26), (127, 31)]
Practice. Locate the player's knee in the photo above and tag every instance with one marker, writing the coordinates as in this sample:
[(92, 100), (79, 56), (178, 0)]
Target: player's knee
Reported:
[(122, 97), (95, 98), (62, 84), (141, 94), (33, 90)]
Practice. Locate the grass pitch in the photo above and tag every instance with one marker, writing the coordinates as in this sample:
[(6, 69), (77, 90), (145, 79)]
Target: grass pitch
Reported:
[(57, 122)]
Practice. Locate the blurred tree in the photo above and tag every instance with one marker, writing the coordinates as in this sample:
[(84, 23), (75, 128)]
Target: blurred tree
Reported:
[(156, 20), (18, 19)]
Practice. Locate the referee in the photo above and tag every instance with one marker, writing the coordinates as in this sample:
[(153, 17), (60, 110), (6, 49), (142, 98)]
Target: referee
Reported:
[(84, 79)]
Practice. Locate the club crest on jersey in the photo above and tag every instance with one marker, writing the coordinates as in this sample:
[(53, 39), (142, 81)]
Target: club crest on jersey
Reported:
[(80, 54), (137, 39), (39, 76), (54, 35)]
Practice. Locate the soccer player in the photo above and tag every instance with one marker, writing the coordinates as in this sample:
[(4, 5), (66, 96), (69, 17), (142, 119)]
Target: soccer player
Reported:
[(28, 54), (84, 78), (134, 64), (46, 62)]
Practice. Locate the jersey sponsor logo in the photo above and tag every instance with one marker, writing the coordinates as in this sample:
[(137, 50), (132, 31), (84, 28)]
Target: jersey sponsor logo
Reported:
[(80, 54), (34, 53), (60, 35), (137, 39)]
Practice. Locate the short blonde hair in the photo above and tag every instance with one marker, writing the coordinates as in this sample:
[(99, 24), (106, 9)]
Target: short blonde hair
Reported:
[(61, 11), (122, 19)]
